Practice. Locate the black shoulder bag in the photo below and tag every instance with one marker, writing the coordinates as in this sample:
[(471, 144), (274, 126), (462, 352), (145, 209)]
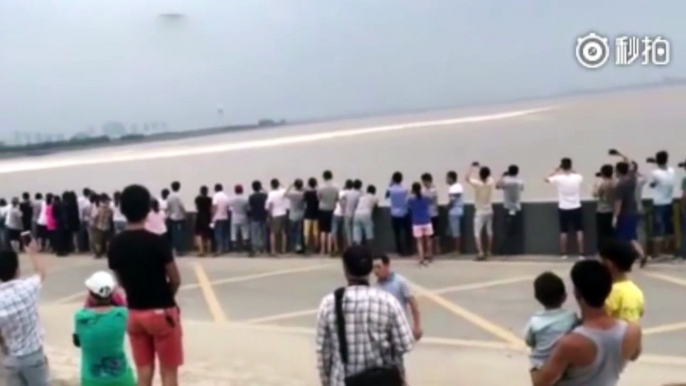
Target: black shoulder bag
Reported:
[(375, 376)]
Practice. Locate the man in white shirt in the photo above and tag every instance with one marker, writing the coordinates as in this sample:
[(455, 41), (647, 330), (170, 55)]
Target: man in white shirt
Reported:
[(662, 181), (220, 218), (83, 202), (568, 184), (277, 206)]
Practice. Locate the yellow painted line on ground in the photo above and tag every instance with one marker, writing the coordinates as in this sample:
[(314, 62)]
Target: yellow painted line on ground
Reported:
[(482, 285), (665, 328), (210, 296), (237, 279), (471, 317), (438, 291), (667, 278)]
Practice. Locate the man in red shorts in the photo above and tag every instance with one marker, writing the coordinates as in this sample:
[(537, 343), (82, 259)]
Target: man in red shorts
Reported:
[(144, 265)]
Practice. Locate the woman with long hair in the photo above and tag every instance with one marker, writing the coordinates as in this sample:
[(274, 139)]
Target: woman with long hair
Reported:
[(422, 228), (203, 230)]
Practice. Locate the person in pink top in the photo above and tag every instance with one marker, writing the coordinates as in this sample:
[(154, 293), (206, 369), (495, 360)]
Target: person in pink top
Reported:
[(156, 221)]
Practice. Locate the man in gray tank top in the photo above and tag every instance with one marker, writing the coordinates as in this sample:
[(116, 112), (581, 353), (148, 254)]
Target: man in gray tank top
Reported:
[(596, 352)]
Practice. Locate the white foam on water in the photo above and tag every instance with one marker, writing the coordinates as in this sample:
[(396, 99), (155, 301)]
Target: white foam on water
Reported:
[(141, 155)]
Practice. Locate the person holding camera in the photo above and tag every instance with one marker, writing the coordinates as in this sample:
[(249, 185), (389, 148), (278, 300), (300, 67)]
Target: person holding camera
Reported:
[(683, 213), (603, 192), (483, 207), (512, 187), (568, 184), (662, 180)]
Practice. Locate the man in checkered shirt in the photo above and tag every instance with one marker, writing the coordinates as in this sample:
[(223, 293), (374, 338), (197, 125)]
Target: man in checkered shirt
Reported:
[(20, 330), (377, 331)]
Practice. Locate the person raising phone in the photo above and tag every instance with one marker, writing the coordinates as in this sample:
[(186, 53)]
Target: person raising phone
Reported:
[(662, 180), (568, 184)]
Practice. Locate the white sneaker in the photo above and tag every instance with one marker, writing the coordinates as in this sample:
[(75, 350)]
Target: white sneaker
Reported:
[(565, 257)]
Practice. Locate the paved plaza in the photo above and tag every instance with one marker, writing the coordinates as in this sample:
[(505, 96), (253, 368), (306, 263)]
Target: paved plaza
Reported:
[(250, 322)]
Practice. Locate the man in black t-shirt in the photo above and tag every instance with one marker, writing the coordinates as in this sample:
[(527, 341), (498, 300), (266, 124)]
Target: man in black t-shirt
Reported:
[(258, 218), (626, 218), (144, 266)]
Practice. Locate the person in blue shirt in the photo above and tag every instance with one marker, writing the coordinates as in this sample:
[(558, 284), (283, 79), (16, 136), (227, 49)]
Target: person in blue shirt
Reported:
[(397, 194), (100, 331), (420, 210)]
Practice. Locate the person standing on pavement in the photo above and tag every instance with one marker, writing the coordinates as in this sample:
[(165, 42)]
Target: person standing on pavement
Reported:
[(240, 206), (26, 207), (144, 266), (429, 190), (118, 218), (258, 218), (683, 213), (363, 218), (396, 285), (277, 207), (568, 184), (662, 180), (361, 330), (604, 193), (220, 219), (296, 213), (337, 238), (83, 202), (512, 187), (203, 221), (483, 208), (177, 216), (349, 205), (625, 208), (36, 231), (641, 181), (14, 225), (20, 329), (455, 209), (398, 196), (311, 218), (596, 352), (328, 201)]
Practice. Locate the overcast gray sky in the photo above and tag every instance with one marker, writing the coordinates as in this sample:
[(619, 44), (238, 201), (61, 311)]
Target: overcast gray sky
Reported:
[(68, 64)]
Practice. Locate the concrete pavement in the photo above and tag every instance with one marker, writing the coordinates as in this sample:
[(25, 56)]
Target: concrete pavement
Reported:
[(250, 321)]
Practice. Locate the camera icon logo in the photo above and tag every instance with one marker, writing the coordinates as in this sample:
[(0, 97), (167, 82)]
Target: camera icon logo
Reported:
[(592, 50)]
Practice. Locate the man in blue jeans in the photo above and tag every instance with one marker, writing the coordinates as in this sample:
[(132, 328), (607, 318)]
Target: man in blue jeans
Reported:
[(258, 218), (176, 212), (662, 182), (397, 194)]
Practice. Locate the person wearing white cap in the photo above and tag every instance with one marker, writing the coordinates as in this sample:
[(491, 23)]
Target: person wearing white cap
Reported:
[(100, 331)]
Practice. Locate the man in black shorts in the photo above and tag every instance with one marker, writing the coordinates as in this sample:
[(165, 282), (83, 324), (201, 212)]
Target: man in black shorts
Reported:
[(328, 198), (568, 184)]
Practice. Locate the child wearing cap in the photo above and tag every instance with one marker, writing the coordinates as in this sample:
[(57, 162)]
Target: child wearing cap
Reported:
[(100, 330)]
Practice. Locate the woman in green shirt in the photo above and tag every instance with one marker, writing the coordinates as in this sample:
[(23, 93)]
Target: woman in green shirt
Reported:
[(100, 330)]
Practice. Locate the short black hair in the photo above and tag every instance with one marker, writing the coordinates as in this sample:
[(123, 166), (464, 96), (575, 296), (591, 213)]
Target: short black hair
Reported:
[(592, 282), (256, 186), (175, 186), (620, 253), (348, 184), (358, 261), (86, 192), (384, 259), (371, 189), (204, 191), (274, 183), (622, 168), (312, 182), (327, 175), (452, 175), (165, 193), (606, 171), (357, 184), (549, 290), (218, 187), (9, 265), (39, 196), (26, 195), (662, 157), (135, 203), (513, 170), (298, 183), (484, 172), (397, 177), (566, 163), (427, 177)]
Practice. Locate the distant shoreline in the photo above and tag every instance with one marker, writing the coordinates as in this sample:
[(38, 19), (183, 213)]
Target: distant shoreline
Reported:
[(44, 149)]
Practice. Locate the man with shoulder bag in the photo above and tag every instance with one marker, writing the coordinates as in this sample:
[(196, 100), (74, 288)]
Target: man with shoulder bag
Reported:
[(362, 331)]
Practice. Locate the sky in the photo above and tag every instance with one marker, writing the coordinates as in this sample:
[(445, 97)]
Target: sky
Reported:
[(68, 65)]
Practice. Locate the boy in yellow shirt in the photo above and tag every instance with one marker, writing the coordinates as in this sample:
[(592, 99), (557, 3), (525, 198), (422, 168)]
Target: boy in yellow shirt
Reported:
[(626, 301)]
